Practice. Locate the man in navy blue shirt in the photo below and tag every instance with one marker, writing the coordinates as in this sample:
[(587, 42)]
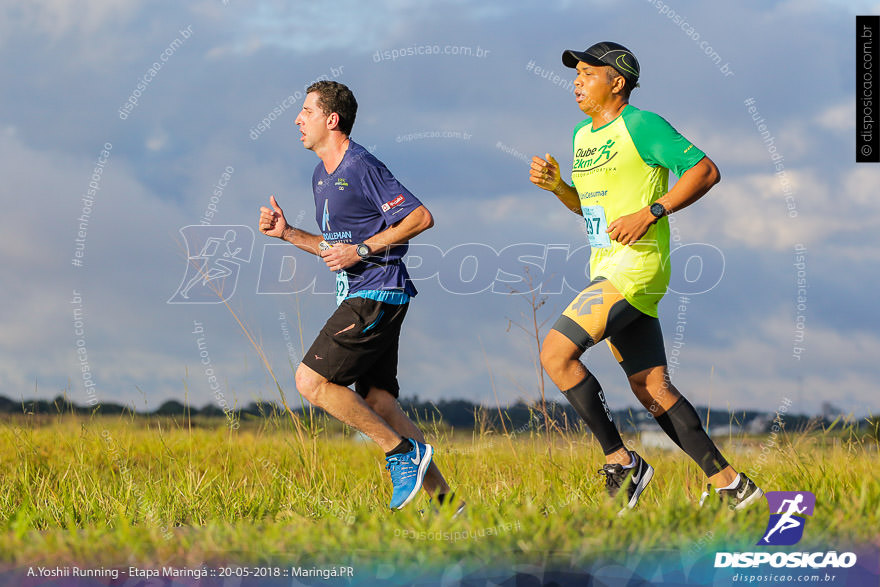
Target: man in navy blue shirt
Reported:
[(367, 218)]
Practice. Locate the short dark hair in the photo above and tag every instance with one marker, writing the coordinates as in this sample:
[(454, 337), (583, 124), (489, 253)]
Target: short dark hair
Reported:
[(612, 74), (336, 97)]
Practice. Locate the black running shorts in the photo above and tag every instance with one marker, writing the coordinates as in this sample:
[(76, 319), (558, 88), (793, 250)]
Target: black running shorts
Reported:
[(601, 312), (358, 344)]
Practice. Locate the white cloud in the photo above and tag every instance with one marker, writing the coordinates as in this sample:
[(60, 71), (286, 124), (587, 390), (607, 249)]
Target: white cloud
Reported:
[(752, 210), (39, 227), (157, 141), (839, 119), (758, 370), (61, 18), (860, 187)]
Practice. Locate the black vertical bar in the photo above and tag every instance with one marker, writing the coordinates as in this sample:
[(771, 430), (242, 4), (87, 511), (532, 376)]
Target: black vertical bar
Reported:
[(867, 89)]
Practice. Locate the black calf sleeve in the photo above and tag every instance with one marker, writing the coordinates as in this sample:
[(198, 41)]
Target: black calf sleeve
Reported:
[(682, 424), (588, 401)]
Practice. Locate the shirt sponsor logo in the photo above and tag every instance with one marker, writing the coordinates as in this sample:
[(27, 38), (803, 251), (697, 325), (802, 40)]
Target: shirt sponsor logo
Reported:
[(327, 232), (593, 157), (325, 216), (341, 183), (596, 194), (342, 235), (395, 202)]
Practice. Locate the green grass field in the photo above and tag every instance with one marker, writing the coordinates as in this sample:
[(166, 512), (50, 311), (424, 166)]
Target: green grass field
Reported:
[(130, 489)]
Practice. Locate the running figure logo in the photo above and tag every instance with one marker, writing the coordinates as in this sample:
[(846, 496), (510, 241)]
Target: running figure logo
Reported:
[(325, 217), (212, 272), (786, 526)]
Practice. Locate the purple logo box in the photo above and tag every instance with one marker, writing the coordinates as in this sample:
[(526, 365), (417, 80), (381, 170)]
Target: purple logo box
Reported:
[(806, 500)]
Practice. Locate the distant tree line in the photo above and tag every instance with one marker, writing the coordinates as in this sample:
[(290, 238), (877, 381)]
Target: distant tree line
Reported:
[(518, 418)]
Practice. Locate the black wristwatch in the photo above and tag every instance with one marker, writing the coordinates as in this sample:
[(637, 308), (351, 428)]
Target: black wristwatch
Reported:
[(363, 251), (658, 211)]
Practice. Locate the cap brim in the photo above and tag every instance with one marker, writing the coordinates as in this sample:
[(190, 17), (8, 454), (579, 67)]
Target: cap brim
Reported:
[(572, 58)]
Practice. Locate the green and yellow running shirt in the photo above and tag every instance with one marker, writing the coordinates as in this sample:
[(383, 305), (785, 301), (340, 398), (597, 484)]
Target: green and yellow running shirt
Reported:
[(619, 169)]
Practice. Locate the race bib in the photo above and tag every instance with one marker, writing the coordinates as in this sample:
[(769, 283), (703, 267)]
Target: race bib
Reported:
[(596, 227), (341, 286)]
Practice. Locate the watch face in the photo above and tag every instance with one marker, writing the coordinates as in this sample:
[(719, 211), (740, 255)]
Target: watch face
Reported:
[(658, 210), (363, 251)]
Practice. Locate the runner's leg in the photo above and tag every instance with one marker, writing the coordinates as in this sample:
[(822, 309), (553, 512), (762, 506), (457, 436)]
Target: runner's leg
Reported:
[(346, 406), (597, 312), (639, 349), (358, 335), (388, 408)]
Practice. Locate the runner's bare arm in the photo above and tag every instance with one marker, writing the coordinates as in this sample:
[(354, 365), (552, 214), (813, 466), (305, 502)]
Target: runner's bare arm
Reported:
[(273, 223), (690, 187), (305, 240), (544, 173), (416, 222), (402, 231)]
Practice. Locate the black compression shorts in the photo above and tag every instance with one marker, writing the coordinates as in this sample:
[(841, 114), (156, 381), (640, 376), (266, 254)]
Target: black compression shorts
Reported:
[(601, 312), (359, 344)]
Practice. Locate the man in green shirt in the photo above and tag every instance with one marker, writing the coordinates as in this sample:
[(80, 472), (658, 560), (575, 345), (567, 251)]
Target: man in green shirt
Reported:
[(622, 159)]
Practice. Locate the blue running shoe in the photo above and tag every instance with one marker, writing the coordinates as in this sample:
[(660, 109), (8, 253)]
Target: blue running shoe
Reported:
[(407, 472)]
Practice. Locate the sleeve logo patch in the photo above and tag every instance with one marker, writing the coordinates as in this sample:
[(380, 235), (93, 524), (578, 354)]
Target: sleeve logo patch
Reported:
[(395, 202)]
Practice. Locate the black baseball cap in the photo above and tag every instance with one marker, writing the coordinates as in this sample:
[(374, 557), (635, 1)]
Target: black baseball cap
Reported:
[(606, 53)]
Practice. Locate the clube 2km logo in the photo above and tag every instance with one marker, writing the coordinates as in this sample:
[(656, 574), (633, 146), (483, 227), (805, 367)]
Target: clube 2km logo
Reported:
[(789, 512)]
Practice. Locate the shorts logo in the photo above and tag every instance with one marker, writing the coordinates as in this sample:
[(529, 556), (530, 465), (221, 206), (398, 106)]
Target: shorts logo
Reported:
[(585, 302), (214, 255), (395, 202), (786, 526), (346, 329)]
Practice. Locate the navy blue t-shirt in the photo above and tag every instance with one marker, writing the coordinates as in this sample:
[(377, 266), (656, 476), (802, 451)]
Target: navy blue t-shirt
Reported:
[(358, 200)]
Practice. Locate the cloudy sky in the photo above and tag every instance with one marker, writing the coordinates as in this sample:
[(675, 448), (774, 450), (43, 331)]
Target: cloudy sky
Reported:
[(453, 98)]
